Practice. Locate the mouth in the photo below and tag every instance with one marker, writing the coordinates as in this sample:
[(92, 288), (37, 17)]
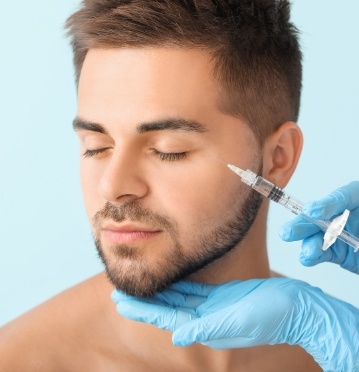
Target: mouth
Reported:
[(128, 233)]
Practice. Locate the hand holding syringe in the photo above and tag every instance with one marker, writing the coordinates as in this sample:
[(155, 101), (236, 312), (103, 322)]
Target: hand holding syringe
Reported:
[(333, 229)]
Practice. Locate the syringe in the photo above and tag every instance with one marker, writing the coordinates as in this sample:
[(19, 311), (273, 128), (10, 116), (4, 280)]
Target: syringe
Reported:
[(272, 192)]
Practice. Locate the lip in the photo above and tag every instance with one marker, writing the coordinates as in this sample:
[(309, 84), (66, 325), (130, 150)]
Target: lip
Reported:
[(128, 233)]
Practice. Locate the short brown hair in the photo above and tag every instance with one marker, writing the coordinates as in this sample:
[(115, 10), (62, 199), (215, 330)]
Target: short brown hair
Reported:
[(255, 48)]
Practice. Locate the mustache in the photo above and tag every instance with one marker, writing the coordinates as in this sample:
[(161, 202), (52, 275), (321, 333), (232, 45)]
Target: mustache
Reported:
[(131, 211)]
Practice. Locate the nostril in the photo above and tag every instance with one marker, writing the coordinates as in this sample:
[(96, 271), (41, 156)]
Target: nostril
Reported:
[(122, 180), (126, 198)]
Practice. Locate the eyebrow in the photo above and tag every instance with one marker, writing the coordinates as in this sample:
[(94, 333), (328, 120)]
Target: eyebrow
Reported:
[(157, 125), (81, 124), (173, 125)]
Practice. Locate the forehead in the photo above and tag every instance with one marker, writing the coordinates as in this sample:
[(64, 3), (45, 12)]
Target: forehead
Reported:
[(146, 82)]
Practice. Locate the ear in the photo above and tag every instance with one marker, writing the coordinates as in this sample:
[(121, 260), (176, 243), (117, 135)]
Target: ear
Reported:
[(281, 152)]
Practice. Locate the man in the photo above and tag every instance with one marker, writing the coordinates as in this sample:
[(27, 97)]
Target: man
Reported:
[(167, 92)]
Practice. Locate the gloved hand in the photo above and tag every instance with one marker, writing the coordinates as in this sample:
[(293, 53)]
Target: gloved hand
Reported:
[(251, 313), (334, 204)]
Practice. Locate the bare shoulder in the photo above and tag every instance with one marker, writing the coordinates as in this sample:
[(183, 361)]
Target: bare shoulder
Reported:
[(45, 337)]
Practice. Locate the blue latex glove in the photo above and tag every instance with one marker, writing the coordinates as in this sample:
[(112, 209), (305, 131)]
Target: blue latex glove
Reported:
[(251, 313), (334, 204)]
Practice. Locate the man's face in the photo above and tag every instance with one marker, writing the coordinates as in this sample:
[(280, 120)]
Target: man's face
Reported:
[(161, 205)]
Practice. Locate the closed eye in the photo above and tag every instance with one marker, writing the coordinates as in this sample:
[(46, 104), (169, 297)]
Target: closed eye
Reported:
[(170, 156), (91, 153)]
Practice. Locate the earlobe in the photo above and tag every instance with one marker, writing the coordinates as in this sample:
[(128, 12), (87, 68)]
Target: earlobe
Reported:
[(281, 153)]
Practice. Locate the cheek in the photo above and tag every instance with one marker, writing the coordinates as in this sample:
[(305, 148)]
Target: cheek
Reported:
[(90, 178), (198, 195)]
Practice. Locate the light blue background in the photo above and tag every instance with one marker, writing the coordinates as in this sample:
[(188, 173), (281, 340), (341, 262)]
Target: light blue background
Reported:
[(46, 244)]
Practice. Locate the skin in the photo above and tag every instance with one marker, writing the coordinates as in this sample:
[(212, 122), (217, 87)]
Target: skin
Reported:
[(119, 89)]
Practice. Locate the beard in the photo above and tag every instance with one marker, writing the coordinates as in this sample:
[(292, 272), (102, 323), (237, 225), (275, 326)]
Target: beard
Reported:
[(130, 272)]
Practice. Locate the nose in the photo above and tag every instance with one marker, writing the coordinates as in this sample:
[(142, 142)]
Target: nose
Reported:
[(122, 180)]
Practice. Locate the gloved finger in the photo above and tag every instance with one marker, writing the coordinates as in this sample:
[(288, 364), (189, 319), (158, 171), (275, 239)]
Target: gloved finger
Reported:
[(340, 253), (199, 330), (163, 317), (312, 253), (192, 288), (218, 331), (185, 294), (118, 296), (297, 229), (227, 294), (327, 207), (349, 260), (346, 197), (232, 343), (177, 299)]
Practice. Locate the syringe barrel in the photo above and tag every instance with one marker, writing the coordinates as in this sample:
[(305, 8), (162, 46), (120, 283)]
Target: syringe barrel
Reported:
[(276, 194)]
